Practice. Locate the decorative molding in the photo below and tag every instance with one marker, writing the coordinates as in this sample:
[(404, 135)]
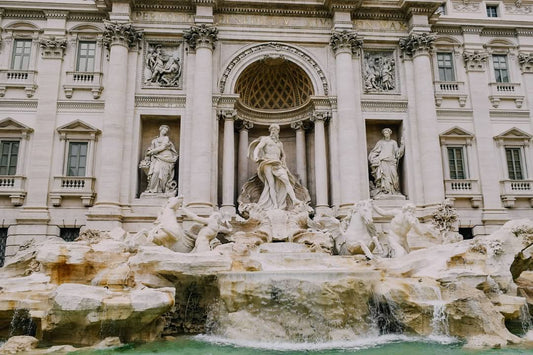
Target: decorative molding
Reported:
[(278, 47), (466, 6), (30, 105), (274, 12), (522, 115), (383, 106), (476, 60), (52, 48), (227, 114), (382, 14), (202, 36), (498, 32), (80, 106), (61, 14), (447, 30), (417, 43), (86, 17), (320, 116), (160, 101), (524, 31), (345, 41), (518, 10), (526, 62), (121, 33), (21, 14)]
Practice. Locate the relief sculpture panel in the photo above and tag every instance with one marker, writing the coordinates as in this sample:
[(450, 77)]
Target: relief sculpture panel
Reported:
[(379, 72), (162, 66)]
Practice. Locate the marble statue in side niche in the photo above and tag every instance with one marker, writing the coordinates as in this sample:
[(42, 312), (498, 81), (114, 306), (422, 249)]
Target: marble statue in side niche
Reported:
[(384, 158), (162, 69), (158, 164), (210, 227), (403, 222), (273, 187)]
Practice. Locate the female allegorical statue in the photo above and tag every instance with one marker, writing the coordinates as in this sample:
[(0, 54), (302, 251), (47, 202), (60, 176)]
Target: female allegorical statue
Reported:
[(159, 163)]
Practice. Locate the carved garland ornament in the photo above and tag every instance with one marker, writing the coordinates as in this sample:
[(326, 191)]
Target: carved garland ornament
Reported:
[(526, 62), (417, 43), (52, 47), (201, 36), (345, 40), (121, 33), (279, 47), (475, 61)]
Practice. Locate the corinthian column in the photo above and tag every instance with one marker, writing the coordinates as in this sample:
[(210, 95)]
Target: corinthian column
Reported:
[(301, 164), (352, 165), (228, 167), (321, 165), (417, 46), (118, 38), (202, 39)]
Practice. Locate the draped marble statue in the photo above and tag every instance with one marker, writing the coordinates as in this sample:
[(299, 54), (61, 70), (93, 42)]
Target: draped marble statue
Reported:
[(273, 187), (158, 164), (384, 158)]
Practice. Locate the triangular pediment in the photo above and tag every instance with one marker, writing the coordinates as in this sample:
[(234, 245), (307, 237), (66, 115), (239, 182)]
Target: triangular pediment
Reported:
[(456, 132), (10, 125), (514, 133), (78, 127)]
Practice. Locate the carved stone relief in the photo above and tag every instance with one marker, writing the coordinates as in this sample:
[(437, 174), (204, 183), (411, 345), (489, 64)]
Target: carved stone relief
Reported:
[(162, 66), (379, 71), (466, 6)]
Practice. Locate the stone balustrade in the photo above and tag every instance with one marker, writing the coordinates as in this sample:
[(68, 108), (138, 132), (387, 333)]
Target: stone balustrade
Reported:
[(464, 188), (516, 189), (450, 90), (83, 81), (24, 79), (13, 186), (73, 186), (505, 91)]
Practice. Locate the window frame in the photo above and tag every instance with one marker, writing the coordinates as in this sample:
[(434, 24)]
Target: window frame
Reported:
[(78, 132), (10, 157), (515, 138), (11, 130), (464, 161), (68, 166), (452, 66), (85, 33), (490, 7), (521, 163), (499, 70), (79, 56), (28, 55)]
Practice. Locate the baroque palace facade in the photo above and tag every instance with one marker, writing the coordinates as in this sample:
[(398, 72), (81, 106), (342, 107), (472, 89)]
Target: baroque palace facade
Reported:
[(86, 86)]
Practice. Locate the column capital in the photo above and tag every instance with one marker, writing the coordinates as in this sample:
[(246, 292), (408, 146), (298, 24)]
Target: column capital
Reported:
[(345, 42), (228, 114), (122, 34), (303, 125), (526, 62), (244, 124), (417, 43), (52, 48), (475, 60), (202, 36), (320, 116)]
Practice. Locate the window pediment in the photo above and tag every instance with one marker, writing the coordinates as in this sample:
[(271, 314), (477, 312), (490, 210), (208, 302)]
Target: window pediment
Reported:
[(514, 136), (10, 127), (78, 129), (456, 135)]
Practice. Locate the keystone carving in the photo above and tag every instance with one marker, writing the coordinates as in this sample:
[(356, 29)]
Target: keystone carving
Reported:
[(345, 41), (417, 43), (121, 33), (201, 37)]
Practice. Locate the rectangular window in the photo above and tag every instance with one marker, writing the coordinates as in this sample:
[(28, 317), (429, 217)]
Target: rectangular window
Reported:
[(514, 163), (9, 151), (3, 244), (445, 64), (501, 72), (77, 158), (456, 162), (492, 10), (21, 54), (86, 55)]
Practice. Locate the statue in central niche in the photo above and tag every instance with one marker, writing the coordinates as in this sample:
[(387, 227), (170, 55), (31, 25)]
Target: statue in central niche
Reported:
[(273, 187)]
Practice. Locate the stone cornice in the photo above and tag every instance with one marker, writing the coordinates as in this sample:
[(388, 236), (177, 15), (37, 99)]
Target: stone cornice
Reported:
[(417, 43), (341, 41), (121, 33), (384, 106), (160, 101), (377, 14), (274, 11), (56, 14), (86, 17), (202, 36)]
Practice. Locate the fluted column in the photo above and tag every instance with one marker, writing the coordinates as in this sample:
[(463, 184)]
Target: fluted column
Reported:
[(118, 38), (418, 46), (242, 165), (228, 162), (202, 39), (301, 161), (346, 44), (321, 165)]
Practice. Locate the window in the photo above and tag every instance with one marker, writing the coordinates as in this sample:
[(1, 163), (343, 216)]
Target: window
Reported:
[(3, 243), (492, 10), (514, 163), (69, 234), (9, 151), (21, 54), (456, 162), (501, 72), (77, 158), (445, 64), (86, 56)]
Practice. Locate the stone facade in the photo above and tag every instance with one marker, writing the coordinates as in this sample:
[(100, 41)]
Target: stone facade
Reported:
[(85, 87)]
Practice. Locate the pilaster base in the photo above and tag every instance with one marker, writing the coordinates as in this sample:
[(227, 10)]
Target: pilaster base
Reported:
[(104, 217)]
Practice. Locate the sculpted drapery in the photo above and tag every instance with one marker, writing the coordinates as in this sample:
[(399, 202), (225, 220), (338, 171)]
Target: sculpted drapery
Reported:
[(383, 160)]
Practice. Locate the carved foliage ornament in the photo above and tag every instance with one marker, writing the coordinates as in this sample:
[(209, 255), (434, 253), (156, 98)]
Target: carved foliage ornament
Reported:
[(121, 33), (345, 40), (417, 42), (379, 72), (201, 36), (475, 61), (526, 62), (52, 47), (162, 67)]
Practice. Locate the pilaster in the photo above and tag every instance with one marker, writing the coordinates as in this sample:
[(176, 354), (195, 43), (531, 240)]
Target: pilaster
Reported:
[(242, 164), (228, 161), (301, 160), (321, 165)]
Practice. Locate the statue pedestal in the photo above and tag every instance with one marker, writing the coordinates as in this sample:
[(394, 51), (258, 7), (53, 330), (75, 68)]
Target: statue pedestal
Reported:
[(157, 195)]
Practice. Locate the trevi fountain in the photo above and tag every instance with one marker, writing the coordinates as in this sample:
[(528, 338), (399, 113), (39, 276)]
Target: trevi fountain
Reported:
[(279, 276)]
